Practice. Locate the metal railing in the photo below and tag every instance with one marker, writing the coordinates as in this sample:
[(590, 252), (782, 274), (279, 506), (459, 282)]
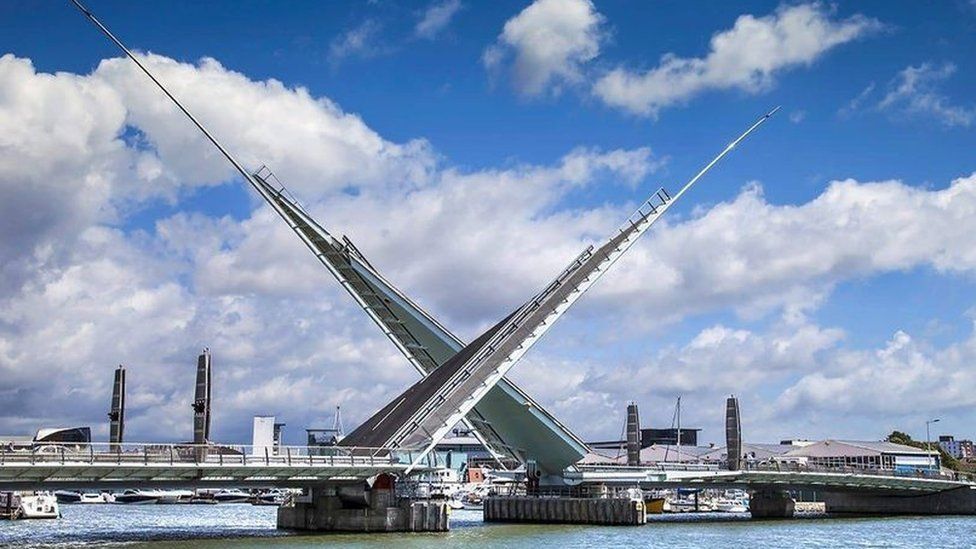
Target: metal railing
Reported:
[(793, 467), (208, 454)]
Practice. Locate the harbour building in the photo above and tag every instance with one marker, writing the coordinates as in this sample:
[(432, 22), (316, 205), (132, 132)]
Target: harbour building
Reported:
[(959, 449), (881, 455)]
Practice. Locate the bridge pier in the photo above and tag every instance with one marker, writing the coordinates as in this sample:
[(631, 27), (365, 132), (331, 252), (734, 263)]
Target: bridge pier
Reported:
[(358, 508), (957, 501), (565, 510), (764, 504)]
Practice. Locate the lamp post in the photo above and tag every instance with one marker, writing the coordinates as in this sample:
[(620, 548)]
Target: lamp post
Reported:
[(928, 437)]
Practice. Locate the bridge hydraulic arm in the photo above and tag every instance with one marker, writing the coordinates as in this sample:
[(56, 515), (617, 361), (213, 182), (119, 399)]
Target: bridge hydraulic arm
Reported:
[(422, 415), (508, 421)]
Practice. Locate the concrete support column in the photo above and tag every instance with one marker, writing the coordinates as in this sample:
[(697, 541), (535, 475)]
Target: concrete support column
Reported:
[(771, 504), (340, 509)]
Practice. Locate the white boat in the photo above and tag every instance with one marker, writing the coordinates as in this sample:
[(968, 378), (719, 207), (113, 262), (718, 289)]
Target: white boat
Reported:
[(39, 506), (270, 497), (232, 496), (173, 496), (96, 498), (137, 497), (733, 501), (725, 505)]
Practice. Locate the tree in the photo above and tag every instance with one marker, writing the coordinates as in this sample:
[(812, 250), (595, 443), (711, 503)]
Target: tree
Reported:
[(899, 437)]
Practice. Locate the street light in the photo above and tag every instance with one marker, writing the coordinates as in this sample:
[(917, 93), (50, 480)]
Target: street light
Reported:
[(928, 438)]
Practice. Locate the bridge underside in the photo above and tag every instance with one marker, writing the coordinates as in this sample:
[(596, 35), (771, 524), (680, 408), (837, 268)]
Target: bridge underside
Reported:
[(49, 476)]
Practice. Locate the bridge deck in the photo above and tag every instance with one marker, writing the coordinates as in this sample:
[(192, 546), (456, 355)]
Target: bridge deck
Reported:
[(134, 466), (826, 481)]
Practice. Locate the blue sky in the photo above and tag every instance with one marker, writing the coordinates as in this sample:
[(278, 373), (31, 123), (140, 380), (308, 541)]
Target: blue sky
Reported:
[(871, 92)]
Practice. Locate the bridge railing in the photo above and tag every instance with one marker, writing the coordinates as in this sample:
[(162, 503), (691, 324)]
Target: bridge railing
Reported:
[(205, 454), (792, 467)]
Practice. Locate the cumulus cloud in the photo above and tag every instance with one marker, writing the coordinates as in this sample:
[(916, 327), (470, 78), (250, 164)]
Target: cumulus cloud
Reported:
[(590, 394), (746, 57), (288, 341), (915, 91), (899, 379), (436, 18), (755, 256), (312, 143), (246, 289), (547, 44)]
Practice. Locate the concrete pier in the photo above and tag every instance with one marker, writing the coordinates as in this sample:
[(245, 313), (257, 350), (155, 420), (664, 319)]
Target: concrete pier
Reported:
[(350, 508), (566, 510), (764, 504), (960, 501)]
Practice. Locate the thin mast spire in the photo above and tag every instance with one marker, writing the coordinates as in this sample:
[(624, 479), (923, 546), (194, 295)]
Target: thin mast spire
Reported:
[(91, 17)]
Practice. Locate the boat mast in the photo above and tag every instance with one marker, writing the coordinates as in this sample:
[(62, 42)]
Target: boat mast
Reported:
[(679, 429)]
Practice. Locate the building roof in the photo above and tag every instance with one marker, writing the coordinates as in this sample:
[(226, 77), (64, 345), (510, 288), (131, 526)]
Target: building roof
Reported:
[(853, 448), (760, 451), (595, 458), (661, 453)]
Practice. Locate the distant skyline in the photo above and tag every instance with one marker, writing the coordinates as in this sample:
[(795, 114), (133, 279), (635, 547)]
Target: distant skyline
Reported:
[(823, 273)]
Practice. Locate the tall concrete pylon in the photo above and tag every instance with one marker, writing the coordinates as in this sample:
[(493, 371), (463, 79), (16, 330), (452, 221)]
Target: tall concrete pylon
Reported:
[(633, 435), (733, 434), (116, 414), (201, 400)]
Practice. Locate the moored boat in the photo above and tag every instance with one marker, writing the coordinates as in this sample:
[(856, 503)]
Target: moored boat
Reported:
[(38, 505), (137, 497), (232, 496)]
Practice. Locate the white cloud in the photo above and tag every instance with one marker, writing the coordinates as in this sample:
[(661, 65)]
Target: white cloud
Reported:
[(550, 40), (311, 142), (361, 41), (283, 332), (436, 18), (902, 378), (280, 328), (915, 91), (854, 105), (747, 57), (755, 256)]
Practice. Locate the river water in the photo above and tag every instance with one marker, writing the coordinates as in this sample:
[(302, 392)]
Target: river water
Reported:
[(242, 525)]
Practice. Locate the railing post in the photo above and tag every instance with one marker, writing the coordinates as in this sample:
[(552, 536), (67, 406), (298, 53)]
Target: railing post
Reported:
[(220, 457), (62, 454), (33, 451), (145, 455), (171, 454), (266, 460), (91, 454), (288, 450), (118, 455)]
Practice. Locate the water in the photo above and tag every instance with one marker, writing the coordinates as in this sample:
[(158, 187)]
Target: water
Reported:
[(227, 526)]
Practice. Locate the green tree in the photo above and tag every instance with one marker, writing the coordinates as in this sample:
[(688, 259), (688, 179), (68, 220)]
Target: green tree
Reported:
[(899, 437)]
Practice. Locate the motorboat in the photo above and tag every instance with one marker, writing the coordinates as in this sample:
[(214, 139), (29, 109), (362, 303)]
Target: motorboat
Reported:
[(67, 496), (725, 505), (103, 497), (733, 501), (174, 496), (137, 497), (37, 505), (70, 497), (269, 497), (232, 496)]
